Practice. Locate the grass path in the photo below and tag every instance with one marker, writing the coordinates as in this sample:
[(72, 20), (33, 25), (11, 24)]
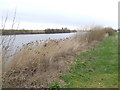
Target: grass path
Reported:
[(97, 68)]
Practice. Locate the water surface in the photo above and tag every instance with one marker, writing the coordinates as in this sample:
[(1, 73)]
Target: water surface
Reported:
[(23, 39)]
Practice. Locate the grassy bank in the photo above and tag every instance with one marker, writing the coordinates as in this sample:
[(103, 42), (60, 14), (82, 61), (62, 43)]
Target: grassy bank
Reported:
[(97, 68), (39, 64)]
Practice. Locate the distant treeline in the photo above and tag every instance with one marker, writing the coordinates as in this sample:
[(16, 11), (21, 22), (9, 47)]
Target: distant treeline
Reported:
[(14, 32), (63, 30), (46, 31)]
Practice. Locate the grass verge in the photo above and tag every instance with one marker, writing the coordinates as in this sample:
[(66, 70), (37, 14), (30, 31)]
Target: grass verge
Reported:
[(97, 68)]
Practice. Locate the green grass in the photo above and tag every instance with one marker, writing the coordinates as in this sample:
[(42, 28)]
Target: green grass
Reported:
[(97, 68)]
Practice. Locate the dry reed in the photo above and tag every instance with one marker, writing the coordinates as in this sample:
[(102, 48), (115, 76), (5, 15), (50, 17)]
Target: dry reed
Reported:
[(38, 64)]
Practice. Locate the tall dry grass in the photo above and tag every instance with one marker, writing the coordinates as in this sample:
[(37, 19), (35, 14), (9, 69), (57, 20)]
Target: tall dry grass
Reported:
[(6, 44), (99, 33), (95, 34), (44, 60), (39, 64), (7, 41)]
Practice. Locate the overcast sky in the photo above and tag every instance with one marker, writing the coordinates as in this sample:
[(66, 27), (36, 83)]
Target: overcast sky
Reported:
[(74, 14)]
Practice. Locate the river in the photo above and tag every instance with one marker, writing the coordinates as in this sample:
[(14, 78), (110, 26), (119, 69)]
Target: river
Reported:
[(26, 38)]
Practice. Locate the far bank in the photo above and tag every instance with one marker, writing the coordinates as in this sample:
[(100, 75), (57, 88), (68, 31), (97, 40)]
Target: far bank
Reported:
[(46, 31)]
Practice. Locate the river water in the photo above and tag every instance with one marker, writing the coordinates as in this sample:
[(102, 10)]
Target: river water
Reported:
[(26, 38)]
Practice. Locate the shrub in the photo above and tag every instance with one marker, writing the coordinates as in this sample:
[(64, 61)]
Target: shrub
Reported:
[(109, 30), (95, 34)]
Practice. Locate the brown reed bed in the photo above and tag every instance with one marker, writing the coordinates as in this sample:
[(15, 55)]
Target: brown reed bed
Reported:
[(38, 64)]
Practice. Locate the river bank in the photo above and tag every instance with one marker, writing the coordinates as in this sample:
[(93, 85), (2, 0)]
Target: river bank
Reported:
[(97, 68), (47, 31), (38, 65)]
